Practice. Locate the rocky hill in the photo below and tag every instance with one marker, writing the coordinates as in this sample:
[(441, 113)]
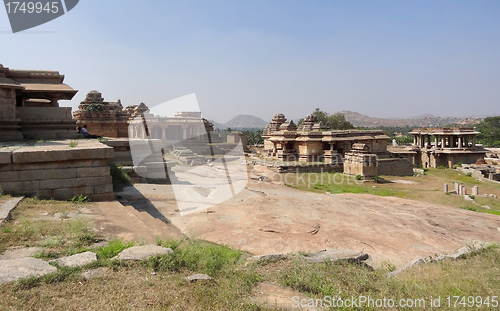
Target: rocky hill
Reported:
[(358, 119), (242, 121)]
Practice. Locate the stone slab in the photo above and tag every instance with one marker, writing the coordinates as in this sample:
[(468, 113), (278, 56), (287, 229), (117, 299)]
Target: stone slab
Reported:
[(38, 174), (15, 269), (77, 182), (77, 260), (61, 151), (7, 207), (106, 188), (143, 252), (20, 186), (336, 254), (20, 253), (59, 165)]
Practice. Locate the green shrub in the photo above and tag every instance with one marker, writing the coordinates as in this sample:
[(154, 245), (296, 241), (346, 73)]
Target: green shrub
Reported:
[(358, 177), (120, 177), (441, 167), (79, 198), (459, 164), (377, 179), (94, 107), (73, 144), (114, 248), (469, 174)]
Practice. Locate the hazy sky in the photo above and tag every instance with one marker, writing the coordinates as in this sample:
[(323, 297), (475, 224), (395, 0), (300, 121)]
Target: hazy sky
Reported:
[(379, 58)]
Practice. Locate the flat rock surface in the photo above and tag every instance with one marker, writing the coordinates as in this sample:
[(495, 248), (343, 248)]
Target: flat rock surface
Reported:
[(267, 218), (271, 295), (77, 260), (7, 207), (20, 253), (143, 252), (14, 269)]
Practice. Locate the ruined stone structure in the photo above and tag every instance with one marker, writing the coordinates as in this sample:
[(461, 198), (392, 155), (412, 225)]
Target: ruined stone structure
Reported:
[(57, 171), (433, 147), (312, 142), (103, 118), (360, 161), (29, 105)]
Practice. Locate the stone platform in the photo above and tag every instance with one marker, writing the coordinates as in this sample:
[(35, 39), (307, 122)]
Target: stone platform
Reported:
[(57, 170)]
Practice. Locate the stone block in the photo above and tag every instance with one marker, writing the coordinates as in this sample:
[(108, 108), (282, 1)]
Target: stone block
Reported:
[(457, 188), (38, 174), (77, 182), (92, 172), (445, 188), (61, 164), (20, 186), (47, 154), (5, 156), (100, 189), (68, 193), (6, 167)]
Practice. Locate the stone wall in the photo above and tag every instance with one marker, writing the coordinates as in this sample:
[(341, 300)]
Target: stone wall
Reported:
[(56, 170), (395, 167)]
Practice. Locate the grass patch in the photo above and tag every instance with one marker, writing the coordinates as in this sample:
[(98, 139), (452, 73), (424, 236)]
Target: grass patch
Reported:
[(197, 256), (120, 177), (113, 248)]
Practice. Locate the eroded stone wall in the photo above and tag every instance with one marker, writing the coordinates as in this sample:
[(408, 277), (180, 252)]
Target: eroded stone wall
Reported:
[(57, 170)]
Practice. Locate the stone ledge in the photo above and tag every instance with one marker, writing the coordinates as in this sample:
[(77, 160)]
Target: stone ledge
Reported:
[(61, 151), (71, 183)]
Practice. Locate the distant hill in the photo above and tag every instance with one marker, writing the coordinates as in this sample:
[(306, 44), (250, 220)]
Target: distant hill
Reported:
[(242, 121), (358, 119)]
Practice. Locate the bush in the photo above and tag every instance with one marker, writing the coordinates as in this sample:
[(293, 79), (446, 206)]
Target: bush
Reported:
[(94, 107), (120, 177), (377, 179), (469, 174), (358, 177), (441, 167)]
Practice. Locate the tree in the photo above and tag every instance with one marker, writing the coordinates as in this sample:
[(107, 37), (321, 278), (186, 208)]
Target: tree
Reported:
[(490, 131), (338, 122)]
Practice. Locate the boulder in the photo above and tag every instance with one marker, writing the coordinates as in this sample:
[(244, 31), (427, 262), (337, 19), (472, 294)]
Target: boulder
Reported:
[(143, 252), (77, 260), (15, 269)]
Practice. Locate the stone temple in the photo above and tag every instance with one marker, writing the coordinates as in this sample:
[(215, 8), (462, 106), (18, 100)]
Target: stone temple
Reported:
[(29, 105)]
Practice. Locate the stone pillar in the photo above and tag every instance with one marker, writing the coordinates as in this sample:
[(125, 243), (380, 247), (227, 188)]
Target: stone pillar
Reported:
[(475, 190), (445, 188), (474, 141), (184, 133), (457, 188), (459, 141), (435, 141), (463, 190), (414, 140)]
